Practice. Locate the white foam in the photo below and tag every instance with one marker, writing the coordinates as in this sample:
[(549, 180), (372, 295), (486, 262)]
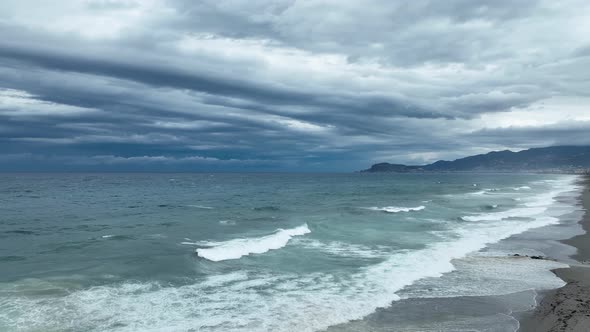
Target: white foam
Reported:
[(186, 243), (236, 248), (503, 274), (201, 207), (337, 248), (227, 222), (486, 191), (395, 209), (481, 192), (525, 212), (522, 188), (534, 205)]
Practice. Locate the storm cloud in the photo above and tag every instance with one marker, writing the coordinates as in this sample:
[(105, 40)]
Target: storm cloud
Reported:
[(286, 85)]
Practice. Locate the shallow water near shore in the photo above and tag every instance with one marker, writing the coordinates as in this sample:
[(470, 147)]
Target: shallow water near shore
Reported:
[(277, 252)]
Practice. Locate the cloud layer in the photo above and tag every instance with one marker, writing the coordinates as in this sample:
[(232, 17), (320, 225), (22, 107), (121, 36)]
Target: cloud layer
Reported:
[(285, 85)]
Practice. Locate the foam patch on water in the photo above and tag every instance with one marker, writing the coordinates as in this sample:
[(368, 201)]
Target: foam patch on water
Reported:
[(503, 275), (525, 212), (396, 209), (235, 249), (487, 191), (532, 207), (337, 248)]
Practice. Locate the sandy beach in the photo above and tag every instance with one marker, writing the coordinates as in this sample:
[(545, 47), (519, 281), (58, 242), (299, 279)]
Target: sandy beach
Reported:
[(568, 308)]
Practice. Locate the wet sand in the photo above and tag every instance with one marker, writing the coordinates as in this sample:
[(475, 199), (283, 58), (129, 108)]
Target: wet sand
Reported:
[(568, 308)]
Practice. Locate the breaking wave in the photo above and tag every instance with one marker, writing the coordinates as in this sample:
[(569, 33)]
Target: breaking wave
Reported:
[(395, 209), (236, 248)]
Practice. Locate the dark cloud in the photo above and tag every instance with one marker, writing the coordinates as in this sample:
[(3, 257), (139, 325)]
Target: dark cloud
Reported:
[(286, 85)]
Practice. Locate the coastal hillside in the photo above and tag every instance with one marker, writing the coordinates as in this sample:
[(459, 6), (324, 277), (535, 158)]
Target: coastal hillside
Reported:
[(549, 159)]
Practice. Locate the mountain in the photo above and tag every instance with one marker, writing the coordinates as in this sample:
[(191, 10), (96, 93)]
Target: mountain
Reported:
[(549, 159)]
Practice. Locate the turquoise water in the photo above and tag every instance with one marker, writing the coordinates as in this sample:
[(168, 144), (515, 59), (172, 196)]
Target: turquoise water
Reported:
[(247, 252)]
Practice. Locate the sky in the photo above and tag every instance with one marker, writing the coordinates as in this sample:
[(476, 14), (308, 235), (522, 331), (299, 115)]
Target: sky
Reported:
[(286, 85)]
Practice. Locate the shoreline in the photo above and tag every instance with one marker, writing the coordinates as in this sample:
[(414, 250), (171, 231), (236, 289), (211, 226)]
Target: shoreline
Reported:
[(567, 308)]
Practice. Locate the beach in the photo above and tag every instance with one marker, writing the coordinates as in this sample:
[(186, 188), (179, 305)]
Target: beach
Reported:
[(567, 308)]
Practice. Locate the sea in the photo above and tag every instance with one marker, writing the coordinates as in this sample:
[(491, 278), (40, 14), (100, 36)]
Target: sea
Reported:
[(280, 252)]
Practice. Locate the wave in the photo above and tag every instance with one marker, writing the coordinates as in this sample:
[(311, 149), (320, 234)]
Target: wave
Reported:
[(395, 209), (522, 188), (533, 207), (235, 249), (485, 191), (117, 237), (187, 243), (227, 222), (503, 273), (336, 248), (525, 212), (201, 207)]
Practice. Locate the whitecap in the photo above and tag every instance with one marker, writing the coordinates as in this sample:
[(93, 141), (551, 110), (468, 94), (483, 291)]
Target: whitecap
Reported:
[(236, 248), (522, 188), (481, 192), (227, 222), (187, 243), (201, 207), (395, 209)]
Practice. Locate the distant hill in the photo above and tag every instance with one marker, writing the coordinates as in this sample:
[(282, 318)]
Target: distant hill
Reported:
[(550, 159)]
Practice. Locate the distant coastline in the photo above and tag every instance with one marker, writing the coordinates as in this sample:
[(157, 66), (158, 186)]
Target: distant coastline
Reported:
[(552, 160)]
